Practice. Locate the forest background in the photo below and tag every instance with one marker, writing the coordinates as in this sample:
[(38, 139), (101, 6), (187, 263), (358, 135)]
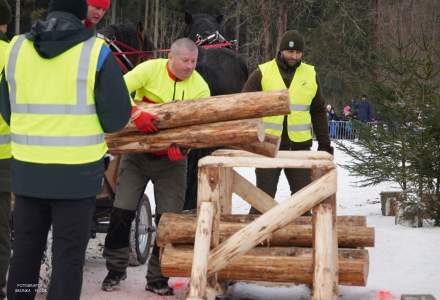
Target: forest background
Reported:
[(343, 37)]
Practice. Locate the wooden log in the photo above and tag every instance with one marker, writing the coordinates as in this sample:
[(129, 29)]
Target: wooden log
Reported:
[(303, 220), (269, 147), (276, 218), (252, 194), (307, 155), (265, 162), (217, 109), (324, 279), (197, 286), (197, 136), (211, 188), (180, 229), (272, 264)]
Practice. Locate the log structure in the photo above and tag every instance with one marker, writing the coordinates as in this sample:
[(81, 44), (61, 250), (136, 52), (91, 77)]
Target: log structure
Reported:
[(279, 245), (217, 109), (196, 136), (180, 229)]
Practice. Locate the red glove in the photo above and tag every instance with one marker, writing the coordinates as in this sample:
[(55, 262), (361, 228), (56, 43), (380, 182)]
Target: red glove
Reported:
[(144, 120), (174, 153)]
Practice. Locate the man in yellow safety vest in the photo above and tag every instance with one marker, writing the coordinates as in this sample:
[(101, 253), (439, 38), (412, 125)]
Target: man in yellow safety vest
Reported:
[(155, 81), (61, 91), (288, 71)]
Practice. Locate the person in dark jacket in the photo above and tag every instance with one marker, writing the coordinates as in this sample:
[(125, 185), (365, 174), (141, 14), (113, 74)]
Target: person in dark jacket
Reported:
[(307, 104), (5, 160), (60, 92), (364, 110)]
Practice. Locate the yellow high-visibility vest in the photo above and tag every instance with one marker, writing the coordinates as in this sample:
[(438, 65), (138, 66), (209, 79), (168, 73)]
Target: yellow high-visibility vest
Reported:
[(302, 90), (150, 79), (53, 112), (5, 139)]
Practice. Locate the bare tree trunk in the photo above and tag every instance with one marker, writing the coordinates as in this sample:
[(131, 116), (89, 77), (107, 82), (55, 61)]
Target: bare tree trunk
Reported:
[(17, 16), (146, 15), (156, 24), (282, 20), (237, 26), (266, 32), (114, 5)]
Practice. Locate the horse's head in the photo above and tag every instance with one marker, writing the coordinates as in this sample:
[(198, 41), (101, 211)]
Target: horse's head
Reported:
[(129, 38), (202, 25)]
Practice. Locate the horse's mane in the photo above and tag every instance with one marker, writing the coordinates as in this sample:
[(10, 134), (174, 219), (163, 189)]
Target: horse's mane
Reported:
[(128, 34)]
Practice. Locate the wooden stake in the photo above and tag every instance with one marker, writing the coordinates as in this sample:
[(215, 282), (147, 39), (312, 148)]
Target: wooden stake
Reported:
[(201, 251)]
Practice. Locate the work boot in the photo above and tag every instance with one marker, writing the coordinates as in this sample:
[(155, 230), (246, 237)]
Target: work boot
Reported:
[(112, 279), (160, 288)]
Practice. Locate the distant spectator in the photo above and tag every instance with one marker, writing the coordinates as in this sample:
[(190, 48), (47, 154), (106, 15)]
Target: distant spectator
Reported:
[(364, 111), (354, 108), (346, 113), (331, 114)]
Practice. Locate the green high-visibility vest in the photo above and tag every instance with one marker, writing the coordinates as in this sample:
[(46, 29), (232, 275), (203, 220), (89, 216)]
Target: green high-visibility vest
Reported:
[(302, 90), (53, 112), (5, 139)]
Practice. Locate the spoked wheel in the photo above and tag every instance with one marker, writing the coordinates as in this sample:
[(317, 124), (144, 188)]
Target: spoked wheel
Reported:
[(141, 233)]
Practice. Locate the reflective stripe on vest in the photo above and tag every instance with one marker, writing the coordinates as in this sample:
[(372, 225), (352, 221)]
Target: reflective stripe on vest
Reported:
[(302, 90), (5, 139), (66, 143)]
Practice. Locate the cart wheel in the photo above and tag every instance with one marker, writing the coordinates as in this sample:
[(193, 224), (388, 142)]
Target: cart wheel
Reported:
[(141, 233)]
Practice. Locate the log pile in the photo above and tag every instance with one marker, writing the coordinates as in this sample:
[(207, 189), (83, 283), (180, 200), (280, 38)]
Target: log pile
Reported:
[(286, 256), (228, 120)]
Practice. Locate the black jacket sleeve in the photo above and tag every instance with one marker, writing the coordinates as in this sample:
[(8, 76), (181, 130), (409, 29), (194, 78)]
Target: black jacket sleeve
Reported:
[(319, 119), (253, 84), (5, 106), (111, 97)]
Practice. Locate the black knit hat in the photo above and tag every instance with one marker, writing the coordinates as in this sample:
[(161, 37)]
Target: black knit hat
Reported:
[(77, 8), (5, 12), (292, 40)]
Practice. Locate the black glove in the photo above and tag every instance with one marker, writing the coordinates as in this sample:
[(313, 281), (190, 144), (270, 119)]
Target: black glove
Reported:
[(328, 149)]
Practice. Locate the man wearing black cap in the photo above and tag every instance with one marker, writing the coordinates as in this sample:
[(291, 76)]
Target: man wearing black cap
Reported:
[(5, 158), (307, 109), (61, 91)]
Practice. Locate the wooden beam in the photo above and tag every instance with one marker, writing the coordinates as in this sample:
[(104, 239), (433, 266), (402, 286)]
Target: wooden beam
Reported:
[(274, 264), (196, 136), (307, 155), (323, 260), (252, 194), (276, 218), (226, 186), (179, 229), (210, 189), (265, 162), (217, 109), (269, 147), (197, 287)]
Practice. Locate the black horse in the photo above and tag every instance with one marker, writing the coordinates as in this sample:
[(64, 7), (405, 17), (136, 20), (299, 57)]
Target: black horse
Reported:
[(224, 71), (130, 39)]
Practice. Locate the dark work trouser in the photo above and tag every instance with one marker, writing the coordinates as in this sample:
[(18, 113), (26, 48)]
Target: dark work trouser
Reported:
[(5, 238), (71, 222), (169, 180)]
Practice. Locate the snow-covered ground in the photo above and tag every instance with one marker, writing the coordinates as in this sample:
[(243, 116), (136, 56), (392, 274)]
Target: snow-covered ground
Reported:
[(404, 260)]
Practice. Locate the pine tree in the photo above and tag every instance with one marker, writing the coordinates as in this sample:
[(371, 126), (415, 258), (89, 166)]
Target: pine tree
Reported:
[(405, 146)]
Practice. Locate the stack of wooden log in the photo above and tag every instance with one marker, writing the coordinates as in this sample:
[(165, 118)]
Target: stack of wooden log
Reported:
[(229, 120), (286, 257)]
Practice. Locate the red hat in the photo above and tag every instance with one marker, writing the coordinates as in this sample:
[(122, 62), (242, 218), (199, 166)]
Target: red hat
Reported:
[(104, 4)]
